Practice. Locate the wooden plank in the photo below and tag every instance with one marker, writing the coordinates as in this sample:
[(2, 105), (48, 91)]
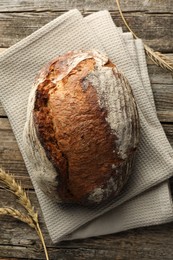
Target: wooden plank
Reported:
[(17, 240), (160, 76), (118, 253), (150, 28), (159, 33), (162, 85), (8, 199), (144, 243), (168, 128), (13, 233), (53, 5), (163, 94), (11, 159), (149, 62), (125, 245), (165, 116)]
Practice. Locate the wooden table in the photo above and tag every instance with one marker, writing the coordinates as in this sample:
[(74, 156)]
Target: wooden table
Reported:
[(152, 21)]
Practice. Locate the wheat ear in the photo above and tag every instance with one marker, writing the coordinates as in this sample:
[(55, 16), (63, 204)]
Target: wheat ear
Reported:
[(158, 58), (23, 199), (16, 188), (18, 215)]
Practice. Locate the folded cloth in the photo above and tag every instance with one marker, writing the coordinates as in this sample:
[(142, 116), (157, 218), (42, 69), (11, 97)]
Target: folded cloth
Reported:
[(18, 66), (150, 208)]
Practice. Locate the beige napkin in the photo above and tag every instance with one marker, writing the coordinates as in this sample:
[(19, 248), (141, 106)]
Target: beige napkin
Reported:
[(150, 208), (18, 66)]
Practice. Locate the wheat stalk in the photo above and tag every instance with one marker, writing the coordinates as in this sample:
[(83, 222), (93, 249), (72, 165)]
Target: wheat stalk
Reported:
[(18, 215), (9, 181), (158, 58), (16, 188)]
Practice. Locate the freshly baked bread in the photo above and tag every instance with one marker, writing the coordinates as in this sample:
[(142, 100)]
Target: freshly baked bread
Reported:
[(82, 128)]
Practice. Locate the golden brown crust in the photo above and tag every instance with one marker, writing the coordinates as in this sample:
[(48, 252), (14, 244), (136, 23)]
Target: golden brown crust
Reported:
[(73, 128), (74, 133)]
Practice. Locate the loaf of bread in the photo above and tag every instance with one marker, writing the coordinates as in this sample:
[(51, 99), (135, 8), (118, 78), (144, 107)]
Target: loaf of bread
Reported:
[(82, 128)]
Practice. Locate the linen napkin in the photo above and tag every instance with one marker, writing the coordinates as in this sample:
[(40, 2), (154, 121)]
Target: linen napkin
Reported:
[(18, 66), (150, 149), (150, 208)]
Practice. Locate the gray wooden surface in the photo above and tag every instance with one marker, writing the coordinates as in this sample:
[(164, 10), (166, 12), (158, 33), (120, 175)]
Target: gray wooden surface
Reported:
[(152, 20)]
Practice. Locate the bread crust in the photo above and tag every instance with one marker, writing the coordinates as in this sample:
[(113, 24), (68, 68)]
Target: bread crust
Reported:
[(73, 120)]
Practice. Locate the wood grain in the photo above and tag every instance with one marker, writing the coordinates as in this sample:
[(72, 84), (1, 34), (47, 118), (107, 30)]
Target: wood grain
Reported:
[(163, 95), (86, 5), (11, 158), (135, 244), (159, 33), (162, 86), (150, 20)]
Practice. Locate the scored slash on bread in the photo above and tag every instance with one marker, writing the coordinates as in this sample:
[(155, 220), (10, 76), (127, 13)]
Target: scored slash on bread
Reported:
[(82, 128)]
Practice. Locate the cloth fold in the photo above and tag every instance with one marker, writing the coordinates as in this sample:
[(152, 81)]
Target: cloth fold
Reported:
[(150, 208), (18, 67)]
